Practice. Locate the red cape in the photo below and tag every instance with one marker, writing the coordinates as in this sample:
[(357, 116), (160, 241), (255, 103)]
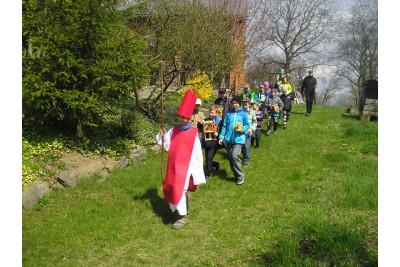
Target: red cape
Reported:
[(179, 155)]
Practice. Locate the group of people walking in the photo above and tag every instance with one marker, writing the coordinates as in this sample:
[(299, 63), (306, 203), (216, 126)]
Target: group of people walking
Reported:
[(234, 124)]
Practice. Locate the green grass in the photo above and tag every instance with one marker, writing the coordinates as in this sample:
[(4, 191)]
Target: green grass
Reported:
[(309, 199)]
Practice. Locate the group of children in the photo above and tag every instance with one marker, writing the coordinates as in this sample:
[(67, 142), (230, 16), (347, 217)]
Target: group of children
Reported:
[(234, 124)]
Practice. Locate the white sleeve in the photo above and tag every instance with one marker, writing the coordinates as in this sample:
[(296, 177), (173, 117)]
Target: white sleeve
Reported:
[(167, 139)]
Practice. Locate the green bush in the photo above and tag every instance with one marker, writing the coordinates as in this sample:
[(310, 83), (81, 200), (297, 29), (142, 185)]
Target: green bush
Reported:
[(138, 127)]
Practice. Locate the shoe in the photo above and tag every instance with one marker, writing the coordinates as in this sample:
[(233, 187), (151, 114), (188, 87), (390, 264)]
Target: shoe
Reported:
[(217, 166), (240, 180), (285, 126), (275, 131), (207, 178), (257, 147), (269, 132), (182, 221), (307, 114), (246, 163)]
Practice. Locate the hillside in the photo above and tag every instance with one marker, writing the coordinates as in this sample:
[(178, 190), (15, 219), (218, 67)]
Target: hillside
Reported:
[(310, 198)]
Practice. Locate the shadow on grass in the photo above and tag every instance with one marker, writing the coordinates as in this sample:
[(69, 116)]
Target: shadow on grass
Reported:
[(159, 205), (223, 175), (351, 116), (299, 112)]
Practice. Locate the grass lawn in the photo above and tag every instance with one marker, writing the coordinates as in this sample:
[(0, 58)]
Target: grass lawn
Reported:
[(310, 198)]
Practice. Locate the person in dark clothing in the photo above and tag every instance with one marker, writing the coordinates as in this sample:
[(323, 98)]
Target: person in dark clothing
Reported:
[(287, 105), (223, 102), (308, 87), (210, 140)]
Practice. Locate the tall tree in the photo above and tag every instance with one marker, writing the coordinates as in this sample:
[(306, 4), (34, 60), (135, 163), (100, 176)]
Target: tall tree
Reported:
[(78, 60), (293, 33), (357, 46), (188, 36)]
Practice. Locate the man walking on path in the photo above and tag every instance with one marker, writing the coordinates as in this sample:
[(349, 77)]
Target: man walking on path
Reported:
[(308, 86)]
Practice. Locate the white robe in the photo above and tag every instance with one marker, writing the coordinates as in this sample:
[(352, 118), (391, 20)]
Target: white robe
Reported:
[(195, 169)]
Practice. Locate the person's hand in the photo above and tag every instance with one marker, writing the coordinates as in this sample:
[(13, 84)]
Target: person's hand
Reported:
[(162, 132), (220, 141), (215, 134)]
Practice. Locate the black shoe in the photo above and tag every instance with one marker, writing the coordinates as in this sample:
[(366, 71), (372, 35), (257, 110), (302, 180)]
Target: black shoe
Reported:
[(257, 147), (216, 165)]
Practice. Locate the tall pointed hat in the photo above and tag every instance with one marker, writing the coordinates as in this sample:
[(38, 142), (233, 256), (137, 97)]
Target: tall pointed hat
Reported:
[(187, 105)]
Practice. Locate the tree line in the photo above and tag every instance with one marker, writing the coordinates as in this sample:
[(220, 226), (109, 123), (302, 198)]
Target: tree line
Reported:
[(82, 59)]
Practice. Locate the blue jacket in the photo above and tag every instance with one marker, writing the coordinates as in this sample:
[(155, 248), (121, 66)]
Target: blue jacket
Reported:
[(228, 132)]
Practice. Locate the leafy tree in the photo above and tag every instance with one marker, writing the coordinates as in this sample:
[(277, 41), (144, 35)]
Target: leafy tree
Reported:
[(79, 60), (188, 36), (290, 34), (357, 46)]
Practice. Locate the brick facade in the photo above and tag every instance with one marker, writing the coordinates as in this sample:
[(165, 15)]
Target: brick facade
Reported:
[(237, 76)]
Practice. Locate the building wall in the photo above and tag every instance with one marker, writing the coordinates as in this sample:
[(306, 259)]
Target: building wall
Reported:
[(237, 76)]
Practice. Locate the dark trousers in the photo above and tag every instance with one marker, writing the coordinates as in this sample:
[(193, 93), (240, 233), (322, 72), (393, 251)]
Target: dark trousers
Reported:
[(246, 149), (210, 153), (256, 137), (286, 115), (309, 100)]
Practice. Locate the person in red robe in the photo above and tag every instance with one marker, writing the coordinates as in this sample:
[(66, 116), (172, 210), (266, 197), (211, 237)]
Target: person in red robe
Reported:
[(185, 160)]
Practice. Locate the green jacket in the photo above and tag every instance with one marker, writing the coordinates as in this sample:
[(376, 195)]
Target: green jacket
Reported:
[(251, 95)]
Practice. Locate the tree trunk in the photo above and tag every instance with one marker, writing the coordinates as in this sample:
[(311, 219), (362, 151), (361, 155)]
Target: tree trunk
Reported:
[(79, 129)]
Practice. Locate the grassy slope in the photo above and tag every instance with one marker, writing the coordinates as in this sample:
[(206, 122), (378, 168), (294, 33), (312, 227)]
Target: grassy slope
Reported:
[(310, 197)]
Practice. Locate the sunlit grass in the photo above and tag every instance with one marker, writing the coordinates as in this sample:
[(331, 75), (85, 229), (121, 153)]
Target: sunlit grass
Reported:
[(309, 199)]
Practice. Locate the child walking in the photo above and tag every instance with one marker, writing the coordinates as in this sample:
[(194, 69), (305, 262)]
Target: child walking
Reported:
[(233, 133), (275, 106), (210, 142), (287, 99), (257, 134), (185, 160), (253, 125), (197, 118)]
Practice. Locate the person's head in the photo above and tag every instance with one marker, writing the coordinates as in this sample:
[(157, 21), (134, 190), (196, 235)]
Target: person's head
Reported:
[(198, 104), (256, 106), (273, 92), (212, 111), (262, 88), (246, 103), (284, 79), (310, 73), (246, 88), (284, 91), (236, 102), (183, 120), (266, 85), (222, 93)]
